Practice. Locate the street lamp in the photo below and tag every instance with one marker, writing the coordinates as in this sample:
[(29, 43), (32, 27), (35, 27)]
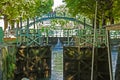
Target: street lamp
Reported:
[(94, 43)]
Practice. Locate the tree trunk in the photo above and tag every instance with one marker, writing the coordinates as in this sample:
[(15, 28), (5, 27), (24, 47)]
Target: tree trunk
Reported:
[(97, 24), (104, 22), (5, 22), (12, 24), (111, 20), (111, 17), (17, 25), (93, 22)]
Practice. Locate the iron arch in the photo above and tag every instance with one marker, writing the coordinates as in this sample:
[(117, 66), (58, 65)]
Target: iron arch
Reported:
[(57, 17)]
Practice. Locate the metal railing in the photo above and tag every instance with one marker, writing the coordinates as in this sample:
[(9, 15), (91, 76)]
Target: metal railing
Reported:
[(83, 36)]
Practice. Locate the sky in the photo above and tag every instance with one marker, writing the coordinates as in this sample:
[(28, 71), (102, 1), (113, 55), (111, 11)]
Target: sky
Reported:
[(1, 23), (57, 3)]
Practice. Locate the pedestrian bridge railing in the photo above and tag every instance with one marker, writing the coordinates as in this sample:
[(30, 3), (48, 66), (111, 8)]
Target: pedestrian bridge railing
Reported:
[(81, 37)]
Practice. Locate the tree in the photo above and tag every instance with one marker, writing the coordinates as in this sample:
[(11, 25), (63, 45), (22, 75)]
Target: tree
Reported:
[(106, 9), (12, 10), (43, 7), (61, 11)]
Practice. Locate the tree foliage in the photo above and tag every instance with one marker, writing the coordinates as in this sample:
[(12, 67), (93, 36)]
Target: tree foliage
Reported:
[(62, 11), (108, 10), (14, 9), (44, 6)]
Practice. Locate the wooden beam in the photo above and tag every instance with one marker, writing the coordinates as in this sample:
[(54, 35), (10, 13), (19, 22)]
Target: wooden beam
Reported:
[(113, 27)]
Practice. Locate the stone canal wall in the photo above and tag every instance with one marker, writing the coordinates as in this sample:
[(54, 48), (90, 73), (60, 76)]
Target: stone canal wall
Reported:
[(33, 63), (77, 63)]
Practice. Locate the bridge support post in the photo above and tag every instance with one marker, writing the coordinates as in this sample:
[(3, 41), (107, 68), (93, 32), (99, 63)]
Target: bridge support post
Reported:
[(68, 40), (84, 23), (27, 32)]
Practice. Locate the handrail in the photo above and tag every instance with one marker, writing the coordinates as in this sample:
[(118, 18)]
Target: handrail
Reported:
[(85, 35)]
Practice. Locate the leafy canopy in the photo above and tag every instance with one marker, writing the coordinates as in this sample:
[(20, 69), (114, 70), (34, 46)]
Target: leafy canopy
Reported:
[(108, 10)]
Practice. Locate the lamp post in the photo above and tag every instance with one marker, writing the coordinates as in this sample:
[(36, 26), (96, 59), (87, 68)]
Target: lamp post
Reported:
[(94, 43)]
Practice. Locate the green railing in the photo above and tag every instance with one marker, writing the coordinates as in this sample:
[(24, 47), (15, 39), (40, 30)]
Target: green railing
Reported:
[(1, 35), (85, 37), (29, 37)]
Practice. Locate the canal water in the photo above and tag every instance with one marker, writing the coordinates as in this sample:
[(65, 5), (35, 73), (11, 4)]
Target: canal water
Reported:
[(57, 61), (114, 52)]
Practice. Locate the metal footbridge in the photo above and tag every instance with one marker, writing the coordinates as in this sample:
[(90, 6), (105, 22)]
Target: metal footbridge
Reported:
[(38, 36)]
